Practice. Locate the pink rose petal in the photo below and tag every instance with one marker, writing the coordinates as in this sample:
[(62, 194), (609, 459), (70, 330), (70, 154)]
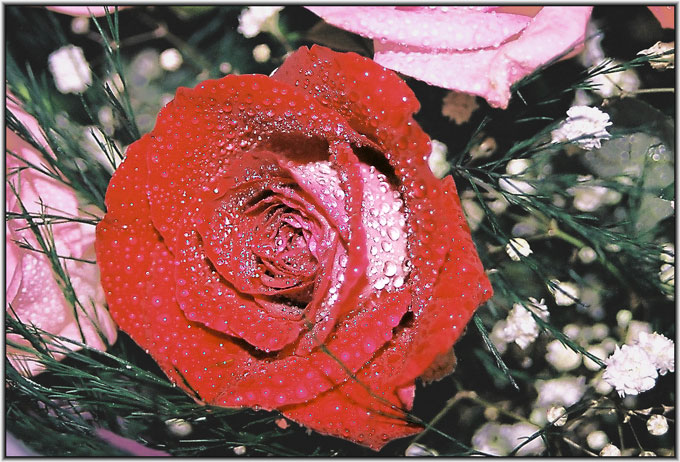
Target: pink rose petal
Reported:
[(450, 28), (32, 288), (482, 52)]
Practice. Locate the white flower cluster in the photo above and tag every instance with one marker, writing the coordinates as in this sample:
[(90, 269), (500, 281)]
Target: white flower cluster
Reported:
[(667, 270), (633, 369), (517, 168), (437, 160), (253, 19), (517, 248), (501, 439), (565, 293), (70, 70), (520, 326), (584, 126)]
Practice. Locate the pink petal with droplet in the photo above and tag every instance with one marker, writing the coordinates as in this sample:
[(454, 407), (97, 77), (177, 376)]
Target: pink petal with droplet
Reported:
[(448, 28), (491, 72)]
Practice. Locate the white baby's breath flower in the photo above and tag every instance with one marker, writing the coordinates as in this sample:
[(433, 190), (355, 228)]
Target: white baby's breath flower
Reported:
[(498, 337), (596, 351), (501, 439), (597, 440), (667, 255), (557, 415), (565, 391), (623, 318), (239, 450), (80, 25), (657, 425), (610, 451), (630, 370), (521, 327), (179, 427), (514, 186), (418, 450), (615, 83), (561, 357), (634, 329), (70, 70), (584, 126), (661, 351), (262, 53), (517, 166), (253, 19), (437, 160), (667, 61), (565, 293), (587, 255), (517, 248), (473, 212), (171, 59), (588, 198)]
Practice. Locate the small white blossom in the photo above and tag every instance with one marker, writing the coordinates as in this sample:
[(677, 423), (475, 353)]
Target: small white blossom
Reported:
[(437, 160), (516, 247), (521, 327), (597, 440), (262, 53), (473, 212), (239, 450), (517, 166), (171, 59), (179, 427), (565, 293), (601, 386), (664, 62), (668, 253), (557, 415), (514, 186), (418, 450), (584, 126), (661, 351), (610, 451), (561, 357), (588, 198), (70, 70), (667, 275), (657, 425), (565, 391), (498, 337), (596, 351), (615, 83), (253, 19), (634, 330), (80, 25), (501, 439), (587, 255), (623, 318), (630, 370)]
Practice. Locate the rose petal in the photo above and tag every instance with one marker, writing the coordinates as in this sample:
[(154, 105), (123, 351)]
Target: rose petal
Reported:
[(449, 28), (490, 72), (665, 15), (367, 410), (270, 385)]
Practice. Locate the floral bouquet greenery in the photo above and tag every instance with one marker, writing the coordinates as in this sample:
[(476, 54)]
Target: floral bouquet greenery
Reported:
[(340, 230)]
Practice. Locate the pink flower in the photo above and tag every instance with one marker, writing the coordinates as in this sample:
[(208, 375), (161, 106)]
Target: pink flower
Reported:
[(665, 15), (31, 284), (84, 10), (477, 50)]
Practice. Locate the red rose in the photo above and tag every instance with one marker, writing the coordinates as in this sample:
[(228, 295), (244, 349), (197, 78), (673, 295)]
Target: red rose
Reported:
[(280, 243)]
